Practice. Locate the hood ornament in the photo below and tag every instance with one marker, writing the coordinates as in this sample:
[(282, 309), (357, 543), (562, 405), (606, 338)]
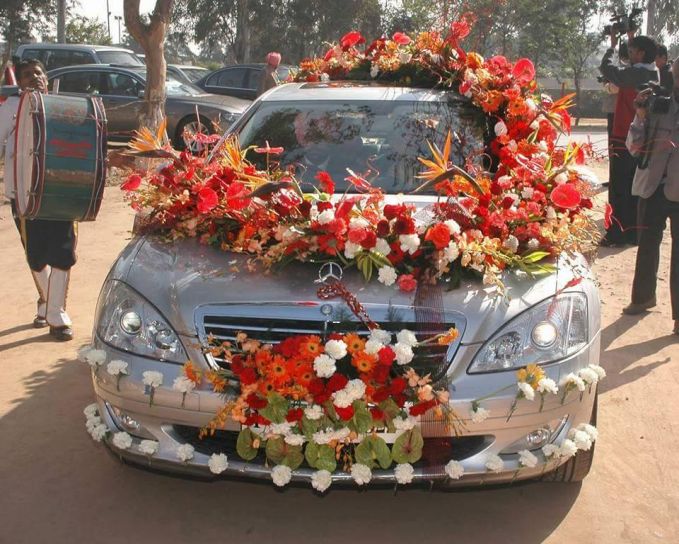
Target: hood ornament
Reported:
[(330, 273)]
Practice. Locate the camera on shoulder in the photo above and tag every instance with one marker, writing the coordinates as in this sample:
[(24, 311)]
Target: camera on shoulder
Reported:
[(659, 101)]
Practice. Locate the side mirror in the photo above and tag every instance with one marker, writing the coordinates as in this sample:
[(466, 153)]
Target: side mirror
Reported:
[(140, 93)]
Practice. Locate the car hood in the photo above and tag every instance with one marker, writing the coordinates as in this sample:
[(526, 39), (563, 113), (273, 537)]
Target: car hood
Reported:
[(180, 277), (236, 105)]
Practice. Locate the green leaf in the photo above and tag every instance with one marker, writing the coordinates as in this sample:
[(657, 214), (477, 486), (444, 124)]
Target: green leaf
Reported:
[(320, 457), (277, 408), (535, 256), (391, 410), (379, 259), (408, 447), (244, 445), (310, 426), (280, 453), (361, 422), (373, 449)]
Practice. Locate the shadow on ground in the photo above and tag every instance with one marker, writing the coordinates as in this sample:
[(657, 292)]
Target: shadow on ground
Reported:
[(61, 486)]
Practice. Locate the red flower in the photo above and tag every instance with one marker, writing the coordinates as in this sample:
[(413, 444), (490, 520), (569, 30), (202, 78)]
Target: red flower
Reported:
[(268, 150), (523, 71), (391, 211), (386, 356), (336, 382), (350, 39), (401, 38), (439, 235), (406, 283), (357, 235), (381, 373), (377, 414), (370, 240), (381, 394), (294, 414), (132, 183), (398, 385), (236, 196), (316, 387), (325, 182), (383, 228), (404, 225), (248, 376), (421, 407), (566, 196), (256, 402), (358, 182), (345, 413)]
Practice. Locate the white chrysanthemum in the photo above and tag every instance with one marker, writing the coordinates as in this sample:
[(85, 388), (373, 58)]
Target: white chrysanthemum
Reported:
[(281, 475), (82, 353), (500, 128), (511, 243), (561, 178), (92, 422), (185, 452), (406, 337), (409, 243), (321, 480), (581, 439), (114, 368), (526, 390), (387, 275), (294, 439), (453, 226), (183, 385), (91, 410), (495, 463), (323, 437), (374, 70), (218, 463), (342, 398), (358, 222), (551, 450), (533, 243), (547, 385), (350, 249), (361, 473), (281, 428), (479, 414), (382, 246), (588, 375), (404, 473), (599, 370), (527, 459), (98, 432), (148, 447), (591, 430), (452, 252), (313, 412), (324, 366), (402, 425), (340, 434), (122, 440), (337, 349), (550, 213), (527, 193), (95, 357), (454, 469), (326, 216), (152, 378), (325, 77), (372, 347), (355, 388), (571, 378), (381, 336), (567, 448), (404, 353)]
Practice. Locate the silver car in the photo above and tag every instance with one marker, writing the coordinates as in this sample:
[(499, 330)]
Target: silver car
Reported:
[(161, 301)]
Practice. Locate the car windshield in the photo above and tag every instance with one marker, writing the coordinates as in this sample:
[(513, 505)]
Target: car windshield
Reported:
[(119, 57), (380, 140), (175, 87), (194, 74)]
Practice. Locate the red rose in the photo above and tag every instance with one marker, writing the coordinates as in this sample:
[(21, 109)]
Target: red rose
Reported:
[(439, 235), (386, 356), (566, 196), (294, 414), (406, 283), (256, 402), (336, 382), (304, 208), (248, 376), (316, 386), (132, 183), (381, 394), (345, 413)]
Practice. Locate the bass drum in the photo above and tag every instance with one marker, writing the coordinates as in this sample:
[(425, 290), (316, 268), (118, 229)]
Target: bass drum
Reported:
[(60, 160)]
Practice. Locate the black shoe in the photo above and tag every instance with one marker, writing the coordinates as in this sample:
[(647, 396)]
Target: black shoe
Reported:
[(39, 322), (606, 242), (635, 309), (63, 334)]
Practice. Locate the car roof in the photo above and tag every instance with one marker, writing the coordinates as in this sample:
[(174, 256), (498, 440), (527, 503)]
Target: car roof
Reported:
[(47, 45), (188, 66), (354, 90), (135, 69), (250, 65)]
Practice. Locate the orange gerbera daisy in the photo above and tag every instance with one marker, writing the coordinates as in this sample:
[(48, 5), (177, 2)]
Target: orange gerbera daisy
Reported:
[(304, 375), (266, 387), (311, 347), (354, 342), (277, 371), (364, 362)]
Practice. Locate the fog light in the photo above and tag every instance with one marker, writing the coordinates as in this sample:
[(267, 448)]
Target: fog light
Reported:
[(130, 322), (127, 423), (538, 438), (544, 334)]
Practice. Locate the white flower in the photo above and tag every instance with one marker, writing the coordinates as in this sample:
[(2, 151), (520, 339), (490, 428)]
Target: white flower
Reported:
[(402, 425), (568, 448), (453, 226), (511, 243), (599, 370), (500, 128), (551, 450), (313, 412), (527, 459), (294, 439), (281, 475), (337, 349), (94, 357), (526, 390), (404, 353), (280, 428), (530, 103), (387, 275), (114, 368), (451, 252), (322, 437), (122, 440), (326, 216), (495, 463), (409, 242), (183, 385), (404, 58), (574, 380), (355, 389), (454, 469), (374, 70), (218, 463), (547, 385), (581, 439), (185, 452), (340, 434), (382, 246), (591, 430), (358, 222), (92, 422), (527, 193), (148, 447), (550, 213), (83, 352), (533, 243), (361, 473), (380, 335), (561, 178), (407, 337), (404, 473), (350, 249), (325, 77), (342, 399), (91, 410), (479, 414), (321, 480), (372, 347), (98, 432), (324, 366), (152, 378), (588, 375)]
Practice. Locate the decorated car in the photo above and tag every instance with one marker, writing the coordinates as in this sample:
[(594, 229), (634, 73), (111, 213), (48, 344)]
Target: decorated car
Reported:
[(376, 277)]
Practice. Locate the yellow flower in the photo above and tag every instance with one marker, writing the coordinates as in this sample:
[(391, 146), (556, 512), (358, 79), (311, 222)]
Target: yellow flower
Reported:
[(531, 374), (448, 337)]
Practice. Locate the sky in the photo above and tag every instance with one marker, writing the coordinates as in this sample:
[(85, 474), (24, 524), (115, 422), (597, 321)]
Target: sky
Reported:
[(97, 9)]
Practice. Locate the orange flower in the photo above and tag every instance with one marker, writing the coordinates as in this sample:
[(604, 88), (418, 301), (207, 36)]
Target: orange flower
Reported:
[(448, 337), (304, 375), (492, 101), (266, 387), (354, 343), (364, 362), (517, 108), (277, 371), (311, 347), (218, 383), (192, 373)]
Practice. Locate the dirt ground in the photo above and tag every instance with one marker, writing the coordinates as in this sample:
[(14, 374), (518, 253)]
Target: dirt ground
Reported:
[(57, 485)]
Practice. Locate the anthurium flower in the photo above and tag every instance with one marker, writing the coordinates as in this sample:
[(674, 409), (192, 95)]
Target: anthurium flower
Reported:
[(207, 200), (566, 196), (350, 39), (523, 71), (132, 183), (268, 150), (401, 38)]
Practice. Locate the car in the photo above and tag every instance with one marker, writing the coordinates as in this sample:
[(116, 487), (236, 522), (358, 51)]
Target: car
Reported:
[(187, 72), (240, 80), (58, 55), (121, 89), (162, 302)]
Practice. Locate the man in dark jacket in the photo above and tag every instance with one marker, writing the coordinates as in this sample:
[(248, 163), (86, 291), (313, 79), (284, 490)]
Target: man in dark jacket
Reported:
[(665, 69), (642, 69)]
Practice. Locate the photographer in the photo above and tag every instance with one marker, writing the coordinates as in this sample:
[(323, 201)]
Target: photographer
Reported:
[(642, 52), (653, 139)]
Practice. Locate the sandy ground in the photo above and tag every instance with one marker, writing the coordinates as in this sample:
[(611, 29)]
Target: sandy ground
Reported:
[(57, 485)]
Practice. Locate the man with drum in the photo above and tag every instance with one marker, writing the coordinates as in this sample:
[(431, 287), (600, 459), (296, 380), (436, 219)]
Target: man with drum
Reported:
[(50, 245)]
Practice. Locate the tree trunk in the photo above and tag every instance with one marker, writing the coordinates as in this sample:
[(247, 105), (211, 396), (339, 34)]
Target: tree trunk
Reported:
[(151, 37), (242, 41), (61, 21), (651, 19)]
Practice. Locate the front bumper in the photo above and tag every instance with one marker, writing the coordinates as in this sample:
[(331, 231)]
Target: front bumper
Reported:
[(167, 422)]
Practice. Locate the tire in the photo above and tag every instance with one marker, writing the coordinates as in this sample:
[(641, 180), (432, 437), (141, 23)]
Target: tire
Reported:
[(190, 122), (578, 466)]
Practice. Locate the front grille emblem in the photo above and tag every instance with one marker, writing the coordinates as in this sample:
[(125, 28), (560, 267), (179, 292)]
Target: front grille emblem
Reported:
[(329, 273)]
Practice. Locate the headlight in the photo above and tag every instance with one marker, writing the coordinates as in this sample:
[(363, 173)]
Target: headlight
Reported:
[(547, 332), (127, 321)]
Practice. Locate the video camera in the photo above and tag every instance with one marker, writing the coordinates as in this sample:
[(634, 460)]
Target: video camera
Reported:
[(623, 23), (660, 101)]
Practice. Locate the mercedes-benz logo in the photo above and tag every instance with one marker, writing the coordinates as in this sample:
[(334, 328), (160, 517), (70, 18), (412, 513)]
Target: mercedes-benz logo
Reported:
[(330, 272)]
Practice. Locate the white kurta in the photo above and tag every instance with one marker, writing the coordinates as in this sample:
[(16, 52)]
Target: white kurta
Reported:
[(8, 111)]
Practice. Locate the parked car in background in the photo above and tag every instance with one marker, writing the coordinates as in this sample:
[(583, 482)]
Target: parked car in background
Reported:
[(187, 72), (122, 91), (57, 55), (240, 80)]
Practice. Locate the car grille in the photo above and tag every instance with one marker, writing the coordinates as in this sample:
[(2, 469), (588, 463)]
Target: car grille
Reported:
[(273, 323)]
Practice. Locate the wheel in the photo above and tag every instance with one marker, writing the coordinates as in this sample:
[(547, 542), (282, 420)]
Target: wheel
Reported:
[(578, 466), (191, 125)]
